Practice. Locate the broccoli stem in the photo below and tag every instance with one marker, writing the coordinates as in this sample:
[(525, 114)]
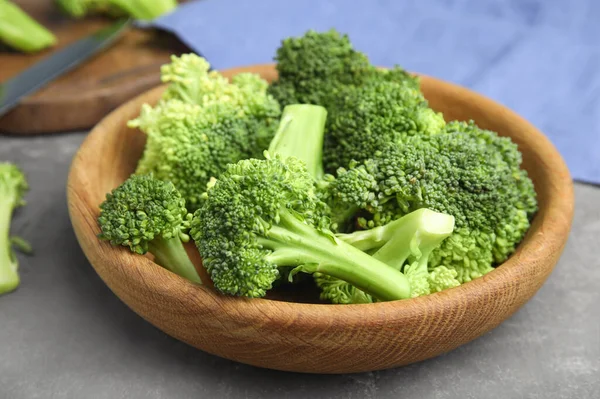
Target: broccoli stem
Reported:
[(171, 254), (300, 134), (20, 31), (419, 233), (296, 243), (9, 277)]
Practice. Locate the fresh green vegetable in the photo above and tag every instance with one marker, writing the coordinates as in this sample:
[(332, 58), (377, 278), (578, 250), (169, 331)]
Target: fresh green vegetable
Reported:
[(21, 32), (149, 215), (202, 123), (405, 244), (138, 9), (363, 119), (300, 135), (363, 187), (315, 67), (13, 187), (467, 172), (263, 215)]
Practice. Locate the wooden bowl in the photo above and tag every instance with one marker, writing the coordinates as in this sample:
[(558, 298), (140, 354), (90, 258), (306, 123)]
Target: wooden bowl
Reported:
[(323, 338)]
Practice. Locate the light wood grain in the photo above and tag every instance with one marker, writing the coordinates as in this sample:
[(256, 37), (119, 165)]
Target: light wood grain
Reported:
[(321, 338), (80, 98)]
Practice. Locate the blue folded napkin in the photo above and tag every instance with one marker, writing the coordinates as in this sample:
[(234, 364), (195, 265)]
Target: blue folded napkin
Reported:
[(541, 58)]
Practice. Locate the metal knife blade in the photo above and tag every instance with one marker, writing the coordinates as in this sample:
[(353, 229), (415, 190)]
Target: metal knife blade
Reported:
[(50, 68)]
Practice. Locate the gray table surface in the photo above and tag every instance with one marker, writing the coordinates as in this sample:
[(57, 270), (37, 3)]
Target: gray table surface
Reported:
[(63, 334)]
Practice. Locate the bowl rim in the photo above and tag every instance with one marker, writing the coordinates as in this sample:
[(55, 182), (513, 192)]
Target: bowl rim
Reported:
[(559, 210)]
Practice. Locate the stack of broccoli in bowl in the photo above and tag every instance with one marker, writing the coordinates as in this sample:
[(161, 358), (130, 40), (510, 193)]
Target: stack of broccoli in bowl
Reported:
[(337, 172)]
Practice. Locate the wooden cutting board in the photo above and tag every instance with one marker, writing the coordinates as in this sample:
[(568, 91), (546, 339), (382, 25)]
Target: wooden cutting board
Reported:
[(79, 99)]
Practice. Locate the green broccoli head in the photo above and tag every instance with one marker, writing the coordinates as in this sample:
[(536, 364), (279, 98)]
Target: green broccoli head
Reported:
[(188, 144), (13, 186), (316, 67), (203, 123), (263, 215), (149, 215), (364, 119), (141, 209), (460, 173), (246, 200), (138, 9)]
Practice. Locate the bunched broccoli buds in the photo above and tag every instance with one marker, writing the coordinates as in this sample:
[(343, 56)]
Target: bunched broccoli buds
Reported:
[(149, 215), (263, 215), (202, 123), (467, 172)]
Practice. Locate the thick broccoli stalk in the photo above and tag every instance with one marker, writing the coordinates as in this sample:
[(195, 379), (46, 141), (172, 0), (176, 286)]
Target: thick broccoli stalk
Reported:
[(316, 67), (21, 32), (138, 9), (410, 248), (405, 244), (300, 134), (263, 215), (467, 172), (203, 123), (13, 187), (148, 215)]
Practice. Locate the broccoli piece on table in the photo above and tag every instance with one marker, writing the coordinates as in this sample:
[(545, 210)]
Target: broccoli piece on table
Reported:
[(13, 186), (138, 9), (21, 32), (148, 215)]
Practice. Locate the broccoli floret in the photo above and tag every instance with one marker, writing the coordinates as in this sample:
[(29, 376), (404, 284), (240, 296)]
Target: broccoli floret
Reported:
[(405, 244), (263, 215), (138, 9), (363, 119), (21, 32), (203, 123), (149, 215), (315, 67), (13, 186), (467, 172), (188, 144)]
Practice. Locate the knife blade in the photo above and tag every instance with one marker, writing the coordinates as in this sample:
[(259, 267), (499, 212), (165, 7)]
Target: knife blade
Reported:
[(53, 66)]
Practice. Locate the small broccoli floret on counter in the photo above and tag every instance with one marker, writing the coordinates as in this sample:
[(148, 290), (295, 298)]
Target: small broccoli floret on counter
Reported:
[(263, 215), (13, 186), (138, 9), (148, 215)]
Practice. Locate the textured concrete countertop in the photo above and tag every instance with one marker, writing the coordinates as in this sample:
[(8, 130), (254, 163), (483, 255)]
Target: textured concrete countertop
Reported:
[(63, 334)]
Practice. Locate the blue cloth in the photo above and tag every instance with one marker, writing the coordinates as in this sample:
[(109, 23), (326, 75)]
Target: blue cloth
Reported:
[(541, 58)]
